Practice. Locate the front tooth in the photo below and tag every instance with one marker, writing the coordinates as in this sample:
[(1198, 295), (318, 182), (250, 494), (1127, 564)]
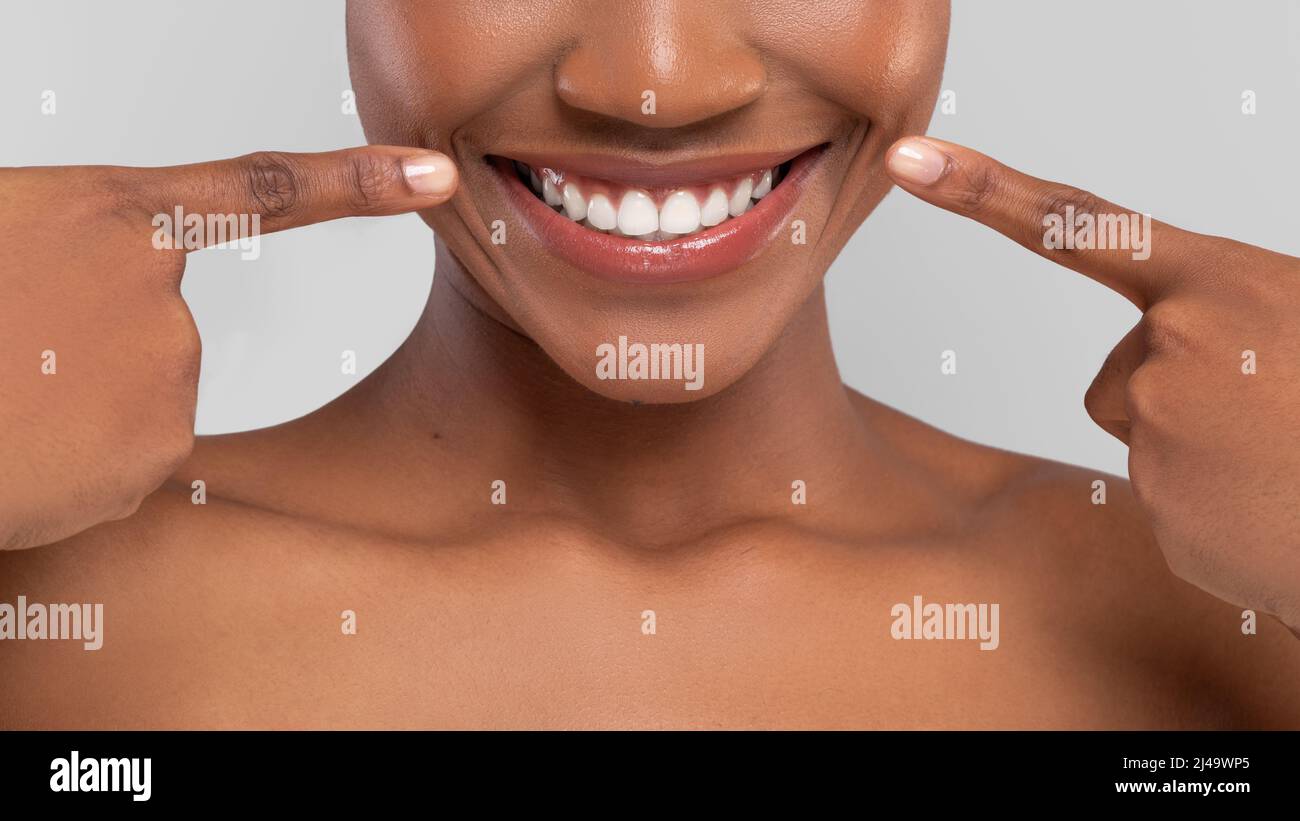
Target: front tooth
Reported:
[(550, 193), (535, 181), (637, 214), (601, 213), (575, 205), (680, 213), (714, 209), (764, 185), (739, 203)]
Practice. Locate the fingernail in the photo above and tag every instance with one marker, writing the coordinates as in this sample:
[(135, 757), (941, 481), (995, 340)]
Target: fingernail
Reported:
[(917, 162), (430, 175)]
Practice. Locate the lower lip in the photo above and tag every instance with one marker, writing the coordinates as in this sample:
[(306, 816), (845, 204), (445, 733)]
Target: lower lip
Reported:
[(708, 253)]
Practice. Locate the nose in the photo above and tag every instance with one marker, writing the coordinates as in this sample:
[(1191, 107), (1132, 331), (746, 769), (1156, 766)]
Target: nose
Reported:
[(661, 63)]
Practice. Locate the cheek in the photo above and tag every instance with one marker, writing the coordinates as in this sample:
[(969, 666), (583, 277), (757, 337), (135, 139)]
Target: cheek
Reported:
[(883, 60), (422, 69)]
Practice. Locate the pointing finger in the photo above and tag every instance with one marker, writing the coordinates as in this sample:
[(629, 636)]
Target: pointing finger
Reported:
[(1126, 251)]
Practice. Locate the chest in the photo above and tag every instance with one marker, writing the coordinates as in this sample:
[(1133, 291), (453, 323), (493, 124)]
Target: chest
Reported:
[(269, 631)]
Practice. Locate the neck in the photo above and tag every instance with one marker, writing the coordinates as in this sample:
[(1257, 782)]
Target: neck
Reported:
[(501, 409)]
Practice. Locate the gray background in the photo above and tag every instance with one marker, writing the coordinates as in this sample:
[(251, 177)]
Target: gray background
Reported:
[(1140, 102)]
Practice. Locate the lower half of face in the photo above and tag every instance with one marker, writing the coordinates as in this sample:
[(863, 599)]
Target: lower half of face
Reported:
[(649, 183)]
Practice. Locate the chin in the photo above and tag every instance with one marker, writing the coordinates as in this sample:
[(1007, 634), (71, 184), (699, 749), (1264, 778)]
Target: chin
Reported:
[(651, 364)]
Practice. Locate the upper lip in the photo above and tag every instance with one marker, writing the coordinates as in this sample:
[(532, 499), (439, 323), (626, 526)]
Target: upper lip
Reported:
[(638, 172)]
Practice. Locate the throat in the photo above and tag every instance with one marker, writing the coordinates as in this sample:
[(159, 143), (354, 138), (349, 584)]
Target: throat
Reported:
[(486, 418)]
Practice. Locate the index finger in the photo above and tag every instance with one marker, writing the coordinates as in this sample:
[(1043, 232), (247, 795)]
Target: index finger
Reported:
[(1128, 252), (285, 190)]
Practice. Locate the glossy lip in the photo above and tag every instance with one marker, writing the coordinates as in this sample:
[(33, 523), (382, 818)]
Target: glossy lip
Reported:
[(708, 253)]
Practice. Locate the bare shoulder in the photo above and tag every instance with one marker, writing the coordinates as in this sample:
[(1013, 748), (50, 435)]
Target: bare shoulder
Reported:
[(1112, 570), (176, 530), (1103, 586)]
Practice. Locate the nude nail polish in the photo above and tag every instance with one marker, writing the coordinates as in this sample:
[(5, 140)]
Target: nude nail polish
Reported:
[(429, 174), (917, 162)]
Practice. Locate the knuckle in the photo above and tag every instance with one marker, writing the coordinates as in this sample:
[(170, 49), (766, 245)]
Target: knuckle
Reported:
[(1280, 603), (177, 348), (1093, 399), (189, 358), (110, 497), (1066, 199), (1104, 387), (163, 441), (983, 181), (1180, 563), (370, 178), (19, 534), (127, 507), (171, 442), (274, 184), (1065, 202), (189, 345), (179, 446), (1142, 397), (1170, 327), (1139, 471)]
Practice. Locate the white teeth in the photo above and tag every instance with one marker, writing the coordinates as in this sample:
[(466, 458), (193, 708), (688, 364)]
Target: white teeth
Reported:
[(714, 209), (637, 214), (575, 205), (601, 213), (739, 203), (550, 193), (680, 213)]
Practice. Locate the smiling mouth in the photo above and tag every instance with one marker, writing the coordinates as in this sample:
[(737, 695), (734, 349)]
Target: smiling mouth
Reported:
[(636, 223), (654, 214)]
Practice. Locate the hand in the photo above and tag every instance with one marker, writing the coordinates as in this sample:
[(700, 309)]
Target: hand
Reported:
[(1205, 389), (99, 356)]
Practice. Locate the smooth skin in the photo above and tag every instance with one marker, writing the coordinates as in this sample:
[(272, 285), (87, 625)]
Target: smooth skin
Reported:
[(767, 614)]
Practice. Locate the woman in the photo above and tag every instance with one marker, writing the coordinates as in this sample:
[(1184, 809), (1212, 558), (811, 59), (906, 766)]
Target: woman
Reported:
[(525, 519)]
